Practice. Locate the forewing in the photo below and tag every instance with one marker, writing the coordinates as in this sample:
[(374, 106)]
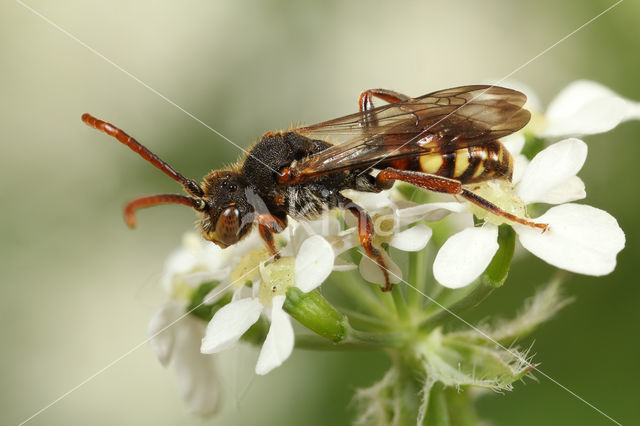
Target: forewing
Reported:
[(438, 122)]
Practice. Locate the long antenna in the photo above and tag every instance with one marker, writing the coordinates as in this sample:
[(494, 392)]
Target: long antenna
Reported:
[(154, 200), (190, 185)]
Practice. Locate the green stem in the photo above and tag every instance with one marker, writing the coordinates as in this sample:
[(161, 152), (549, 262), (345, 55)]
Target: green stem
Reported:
[(417, 278), (376, 339), (437, 409), (406, 396), (450, 310), (449, 406), (357, 290), (460, 404), (389, 303), (317, 343), (364, 321), (400, 303)]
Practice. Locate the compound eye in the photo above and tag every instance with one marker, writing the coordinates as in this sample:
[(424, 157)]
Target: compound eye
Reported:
[(228, 226)]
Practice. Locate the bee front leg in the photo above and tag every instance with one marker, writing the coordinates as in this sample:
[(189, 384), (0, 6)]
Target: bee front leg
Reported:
[(268, 225), (453, 187), (365, 233)]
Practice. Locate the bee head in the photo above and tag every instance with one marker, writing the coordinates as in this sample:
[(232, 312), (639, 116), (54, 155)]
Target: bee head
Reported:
[(227, 215)]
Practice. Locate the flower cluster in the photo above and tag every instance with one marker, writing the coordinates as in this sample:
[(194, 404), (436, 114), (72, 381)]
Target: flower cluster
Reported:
[(221, 297)]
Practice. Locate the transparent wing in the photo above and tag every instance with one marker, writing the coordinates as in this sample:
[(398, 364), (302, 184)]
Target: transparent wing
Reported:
[(438, 122)]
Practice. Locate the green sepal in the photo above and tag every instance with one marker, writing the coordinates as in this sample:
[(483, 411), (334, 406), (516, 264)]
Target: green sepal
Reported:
[(456, 361)]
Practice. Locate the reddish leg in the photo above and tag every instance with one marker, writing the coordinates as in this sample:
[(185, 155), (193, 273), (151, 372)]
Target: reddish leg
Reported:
[(365, 103), (450, 186), (366, 98), (269, 225), (365, 232)]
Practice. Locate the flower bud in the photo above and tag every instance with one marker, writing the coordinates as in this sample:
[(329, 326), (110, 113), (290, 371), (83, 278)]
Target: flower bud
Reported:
[(314, 312)]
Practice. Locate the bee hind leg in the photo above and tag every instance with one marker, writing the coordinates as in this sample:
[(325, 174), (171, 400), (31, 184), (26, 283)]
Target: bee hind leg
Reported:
[(453, 187)]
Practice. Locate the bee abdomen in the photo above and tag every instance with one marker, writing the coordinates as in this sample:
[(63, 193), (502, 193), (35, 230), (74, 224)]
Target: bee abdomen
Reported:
[(472, 164)]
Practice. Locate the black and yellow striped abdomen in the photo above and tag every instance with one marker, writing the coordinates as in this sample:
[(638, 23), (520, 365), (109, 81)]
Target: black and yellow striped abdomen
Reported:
[(469, 165)]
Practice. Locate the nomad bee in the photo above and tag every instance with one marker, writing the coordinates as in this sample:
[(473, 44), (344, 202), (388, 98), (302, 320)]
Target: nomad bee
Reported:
[(441, 142)]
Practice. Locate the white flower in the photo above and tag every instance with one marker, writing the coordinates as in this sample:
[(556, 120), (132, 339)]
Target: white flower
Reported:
[(586, 108), (311, 266), (176, 341), (582, 108), (174, 337), (580, 238), (391, 216), (195, 262)]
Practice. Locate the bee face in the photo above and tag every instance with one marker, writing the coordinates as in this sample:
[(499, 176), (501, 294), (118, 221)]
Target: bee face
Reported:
[(228, 216)]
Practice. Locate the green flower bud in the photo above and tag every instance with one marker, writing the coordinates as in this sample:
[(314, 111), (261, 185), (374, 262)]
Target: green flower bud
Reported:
[(314, 312)]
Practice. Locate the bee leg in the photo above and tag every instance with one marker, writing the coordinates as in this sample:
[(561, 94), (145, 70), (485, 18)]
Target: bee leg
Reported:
[(453, 187), (365, 102), (269, 225), (365, 232)]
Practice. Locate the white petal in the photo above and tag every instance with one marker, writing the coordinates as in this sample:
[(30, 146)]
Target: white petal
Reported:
[(328, 224), (520, 164), (370, 201), (229, 324), (314, 263), (580, 239), (586, 108), (550, 168), (514, 143), (373, 273), (430, 212), (344, 241), (279, 342), (571, 190), (210, 256), (465, 255), (179, 261), (412, 239), (194, 279), (197, 378), (161, 332), (343, 265)]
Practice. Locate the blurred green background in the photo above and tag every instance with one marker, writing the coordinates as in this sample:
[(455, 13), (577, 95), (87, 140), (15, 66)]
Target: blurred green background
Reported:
[(78, 287)]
